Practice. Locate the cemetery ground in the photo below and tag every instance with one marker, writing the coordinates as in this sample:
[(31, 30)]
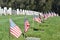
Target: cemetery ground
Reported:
[(49, 30)]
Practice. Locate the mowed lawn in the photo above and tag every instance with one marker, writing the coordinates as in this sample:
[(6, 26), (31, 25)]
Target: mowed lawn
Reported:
[(49, 30)]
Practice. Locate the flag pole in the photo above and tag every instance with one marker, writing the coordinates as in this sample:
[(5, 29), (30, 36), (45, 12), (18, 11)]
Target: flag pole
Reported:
[(9, 33), (33, 19), (23, 34), (9, 28), (24, 27), (40, 20)]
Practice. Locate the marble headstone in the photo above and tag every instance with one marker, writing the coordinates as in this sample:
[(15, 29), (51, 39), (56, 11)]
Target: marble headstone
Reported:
[(32, 38)]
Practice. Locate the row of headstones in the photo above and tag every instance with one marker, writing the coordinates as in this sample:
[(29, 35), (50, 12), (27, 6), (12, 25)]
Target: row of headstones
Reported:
[(10, 11)]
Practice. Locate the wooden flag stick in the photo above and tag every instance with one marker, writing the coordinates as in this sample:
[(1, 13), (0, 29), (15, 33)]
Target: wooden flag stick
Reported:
[(9, 27), (40, 21), (24, 35), (24, 28), (33, 19)]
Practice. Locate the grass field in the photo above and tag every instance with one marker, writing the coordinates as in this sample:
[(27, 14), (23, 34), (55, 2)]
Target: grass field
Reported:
[(49, 30)]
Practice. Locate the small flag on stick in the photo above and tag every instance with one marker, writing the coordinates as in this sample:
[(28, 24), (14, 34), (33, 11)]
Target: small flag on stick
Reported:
[(14, 29), (26, 25), (37, 19)]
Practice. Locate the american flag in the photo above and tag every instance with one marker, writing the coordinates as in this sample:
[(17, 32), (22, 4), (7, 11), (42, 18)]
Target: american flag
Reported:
[(37, 19), (14, 29), (26, 25), (45, 16)]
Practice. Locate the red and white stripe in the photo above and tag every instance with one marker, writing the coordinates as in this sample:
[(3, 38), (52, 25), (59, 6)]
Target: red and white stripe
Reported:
[(27, 25), (16, 31)]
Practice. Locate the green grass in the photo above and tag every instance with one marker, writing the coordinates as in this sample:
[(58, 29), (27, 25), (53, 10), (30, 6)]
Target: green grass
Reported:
[(49, 30)]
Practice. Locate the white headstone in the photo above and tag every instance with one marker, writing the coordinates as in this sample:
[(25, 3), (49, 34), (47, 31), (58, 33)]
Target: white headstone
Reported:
[(5, 10), (2, 10), (18, 12), (26, 12), (32, 38), (10, 11), (21, 11)]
